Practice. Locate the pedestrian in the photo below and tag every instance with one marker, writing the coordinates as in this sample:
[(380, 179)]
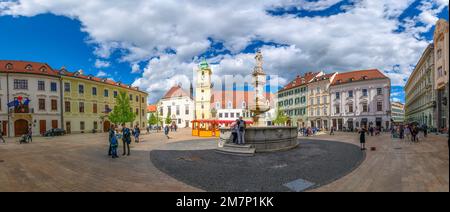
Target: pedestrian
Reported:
[(407, 132), (362, 138), (371, 130), (114, 144), (234, 131), (137, 132), (30, 133), (126, 139), (166, 131), (148, 129), (1, 136), (332, 131), (112, 133), (241, 131), (175, 127), (425, 130)]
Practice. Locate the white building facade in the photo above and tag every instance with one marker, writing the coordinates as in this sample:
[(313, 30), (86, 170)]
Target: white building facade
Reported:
[(179, 106), (360, 99), (39, 86)]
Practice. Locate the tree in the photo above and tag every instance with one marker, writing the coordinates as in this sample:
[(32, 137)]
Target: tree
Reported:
[(281, 118), (168, 119), (122, 112), (154, 120)]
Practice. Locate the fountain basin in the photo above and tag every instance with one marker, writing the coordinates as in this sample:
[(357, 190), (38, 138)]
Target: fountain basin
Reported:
[(265, 139)]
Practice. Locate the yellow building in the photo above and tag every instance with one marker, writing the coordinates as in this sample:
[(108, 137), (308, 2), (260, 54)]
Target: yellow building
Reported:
[(203, 92), (441, 52), (318, 109), (87, 100)]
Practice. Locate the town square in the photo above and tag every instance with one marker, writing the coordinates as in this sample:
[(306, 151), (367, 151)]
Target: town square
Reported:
[(247, 103)]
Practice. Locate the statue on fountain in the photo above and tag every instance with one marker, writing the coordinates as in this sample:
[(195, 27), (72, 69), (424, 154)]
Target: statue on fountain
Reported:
[(260, 105)]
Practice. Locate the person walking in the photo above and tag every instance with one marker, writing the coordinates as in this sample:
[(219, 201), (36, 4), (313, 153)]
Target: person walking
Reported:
[(166, 131), (362, 138), (1, 135), (332, 131), (425, 130), (111, 134), (114, 144), (137, 132), (30, 133), (234, 131), (126, 139), (241, 131), (407, 133)]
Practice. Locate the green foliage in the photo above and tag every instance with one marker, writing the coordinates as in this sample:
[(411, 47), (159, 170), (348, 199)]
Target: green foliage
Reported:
[(122, 112), (168, 120), (154, 120), (281, 118)]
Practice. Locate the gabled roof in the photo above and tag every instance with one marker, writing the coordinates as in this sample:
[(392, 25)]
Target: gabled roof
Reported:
[(323, 77), (355, 76), (300, 80), (175, 91), (15, 66), (151, 108)]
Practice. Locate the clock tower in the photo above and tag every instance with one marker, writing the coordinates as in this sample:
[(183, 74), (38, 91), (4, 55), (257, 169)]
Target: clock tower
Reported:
[(203, 91)]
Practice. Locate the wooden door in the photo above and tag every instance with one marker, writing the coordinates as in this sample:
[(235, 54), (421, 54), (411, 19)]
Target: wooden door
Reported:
[(20, 127), (54, 124), (106, 126), (42, 126), (68, 130), (5, 128)]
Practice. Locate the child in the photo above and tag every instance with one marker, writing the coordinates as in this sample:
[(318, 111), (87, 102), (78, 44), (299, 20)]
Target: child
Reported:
[(114, 145)]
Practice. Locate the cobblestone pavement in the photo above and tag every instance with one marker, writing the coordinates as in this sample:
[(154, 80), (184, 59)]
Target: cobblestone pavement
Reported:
[(79, 163)]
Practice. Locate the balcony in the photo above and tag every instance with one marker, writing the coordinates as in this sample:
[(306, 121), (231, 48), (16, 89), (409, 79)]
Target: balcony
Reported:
[(22, 109)]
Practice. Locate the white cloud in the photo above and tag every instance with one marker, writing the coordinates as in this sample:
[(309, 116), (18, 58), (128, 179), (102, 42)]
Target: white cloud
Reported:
[(101, 74), (102, 64), (135, 68), (364, 36)]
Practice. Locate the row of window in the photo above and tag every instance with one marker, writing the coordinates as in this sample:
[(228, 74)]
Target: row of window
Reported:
[(365, 108), (177, 110), (230, 105), (22, 84), (296, 112), (229, 115), (290, 102), (292, 92), (81, 108), (94, 92), (363, 91)]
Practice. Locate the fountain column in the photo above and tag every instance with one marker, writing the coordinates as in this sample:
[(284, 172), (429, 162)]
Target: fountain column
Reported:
[(259, 81)]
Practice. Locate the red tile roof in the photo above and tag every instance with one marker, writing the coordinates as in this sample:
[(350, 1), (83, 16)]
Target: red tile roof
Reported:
[(175, 91), (14, 66), (354, 76), (300, 80), (323, 77), (151, 108)]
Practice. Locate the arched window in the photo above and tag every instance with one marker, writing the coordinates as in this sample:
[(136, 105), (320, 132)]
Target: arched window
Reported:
[(230, 105), (244, 104), (218, 105)]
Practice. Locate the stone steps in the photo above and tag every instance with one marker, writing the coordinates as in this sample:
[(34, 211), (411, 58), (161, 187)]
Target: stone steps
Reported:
[(238, 150)]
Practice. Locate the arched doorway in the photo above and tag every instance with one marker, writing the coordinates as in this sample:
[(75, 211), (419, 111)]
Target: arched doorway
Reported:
[(20, 127), (106, 126)]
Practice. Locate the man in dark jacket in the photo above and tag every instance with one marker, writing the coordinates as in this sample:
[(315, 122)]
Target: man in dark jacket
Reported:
[(126, 139), (241, 131), (111, 134)]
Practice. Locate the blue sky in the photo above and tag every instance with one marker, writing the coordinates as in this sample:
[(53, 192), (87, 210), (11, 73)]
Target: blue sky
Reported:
[(155, 51)]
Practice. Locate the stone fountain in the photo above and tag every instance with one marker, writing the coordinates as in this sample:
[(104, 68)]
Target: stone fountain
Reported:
[(259, 137)]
